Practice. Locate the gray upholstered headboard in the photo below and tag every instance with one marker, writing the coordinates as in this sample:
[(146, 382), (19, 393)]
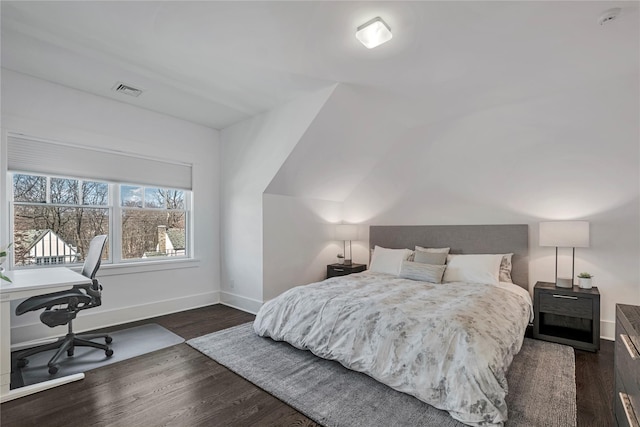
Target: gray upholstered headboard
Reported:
[(462, 239)]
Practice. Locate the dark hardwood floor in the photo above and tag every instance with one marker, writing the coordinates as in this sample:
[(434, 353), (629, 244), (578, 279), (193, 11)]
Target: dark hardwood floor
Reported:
[(179, 386)]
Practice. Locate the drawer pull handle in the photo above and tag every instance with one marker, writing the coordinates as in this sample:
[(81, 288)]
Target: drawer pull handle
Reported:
[(564, 296), (338, 269), (630, 347), (626, 405)]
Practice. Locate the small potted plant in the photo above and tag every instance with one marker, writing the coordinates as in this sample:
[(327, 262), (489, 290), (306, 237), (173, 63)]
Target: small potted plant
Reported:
[(584, 280), (3, 256)]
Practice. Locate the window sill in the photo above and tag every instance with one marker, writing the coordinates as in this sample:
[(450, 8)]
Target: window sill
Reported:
[(130, 267), (145, 266)]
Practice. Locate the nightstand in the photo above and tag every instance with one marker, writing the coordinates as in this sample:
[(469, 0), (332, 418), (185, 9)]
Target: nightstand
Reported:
[(334, 270), (568, 316)]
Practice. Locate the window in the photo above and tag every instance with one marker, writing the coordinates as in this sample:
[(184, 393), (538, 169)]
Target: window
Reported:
[(142, 203), (55, 218), (153, 222)]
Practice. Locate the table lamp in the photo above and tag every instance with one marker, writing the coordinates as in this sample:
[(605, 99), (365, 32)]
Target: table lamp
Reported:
[(346, 232), (565, 234)]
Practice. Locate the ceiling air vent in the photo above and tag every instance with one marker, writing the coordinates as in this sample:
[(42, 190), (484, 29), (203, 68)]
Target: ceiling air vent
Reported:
[(127, 90)]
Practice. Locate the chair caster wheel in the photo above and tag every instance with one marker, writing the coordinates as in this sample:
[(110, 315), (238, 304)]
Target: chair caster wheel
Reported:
[(108, 340), (53, 369), (108, 353), (22, 363), (69, 353)]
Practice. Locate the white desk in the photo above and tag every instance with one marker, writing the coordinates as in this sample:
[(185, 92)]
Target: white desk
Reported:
[(28, 283)]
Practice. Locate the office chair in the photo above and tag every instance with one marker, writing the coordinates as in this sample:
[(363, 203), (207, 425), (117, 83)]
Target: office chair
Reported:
[(62, 307)]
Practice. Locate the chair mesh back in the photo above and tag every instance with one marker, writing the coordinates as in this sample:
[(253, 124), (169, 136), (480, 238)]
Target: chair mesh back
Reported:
[(92, 260)]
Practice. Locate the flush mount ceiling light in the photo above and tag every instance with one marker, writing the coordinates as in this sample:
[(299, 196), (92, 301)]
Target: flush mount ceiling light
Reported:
[(373, 33)]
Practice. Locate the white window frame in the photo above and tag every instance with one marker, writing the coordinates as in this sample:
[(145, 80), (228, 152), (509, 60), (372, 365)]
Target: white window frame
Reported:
[(118, 209), (115, 225)]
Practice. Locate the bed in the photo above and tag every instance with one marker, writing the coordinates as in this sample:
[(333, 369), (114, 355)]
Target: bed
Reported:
[(448, 344)]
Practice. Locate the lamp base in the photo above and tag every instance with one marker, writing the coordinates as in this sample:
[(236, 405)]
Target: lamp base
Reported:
[(564, 283), (347, 262)]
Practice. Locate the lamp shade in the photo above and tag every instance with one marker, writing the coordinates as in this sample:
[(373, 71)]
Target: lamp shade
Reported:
[(346, 232), (565, 234)]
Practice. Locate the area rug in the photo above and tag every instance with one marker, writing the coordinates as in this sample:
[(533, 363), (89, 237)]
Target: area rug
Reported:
[(542, 389), (126, 343)]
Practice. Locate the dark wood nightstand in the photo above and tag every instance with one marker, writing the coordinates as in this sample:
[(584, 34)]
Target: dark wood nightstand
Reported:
[(334, 270), (568, 316)]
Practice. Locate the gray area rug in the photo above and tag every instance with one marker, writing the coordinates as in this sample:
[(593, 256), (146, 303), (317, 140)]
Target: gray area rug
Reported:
[(542, 389), (126, 343)]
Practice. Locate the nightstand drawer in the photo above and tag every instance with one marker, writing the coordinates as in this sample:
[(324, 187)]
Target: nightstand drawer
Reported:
[(339, 271), (566, 305), (334, 270)]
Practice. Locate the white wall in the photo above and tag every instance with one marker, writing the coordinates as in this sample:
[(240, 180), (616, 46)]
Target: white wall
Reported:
[(252, 153), (350, 134), (41, 109), (299, 241), (574, 155)]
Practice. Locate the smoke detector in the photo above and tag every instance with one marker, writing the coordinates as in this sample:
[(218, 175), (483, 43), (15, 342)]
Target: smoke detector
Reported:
[(609, 15), (127, 89)]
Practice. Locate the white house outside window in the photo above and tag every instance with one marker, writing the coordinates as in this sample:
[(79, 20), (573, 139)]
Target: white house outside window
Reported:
[(55, 218)]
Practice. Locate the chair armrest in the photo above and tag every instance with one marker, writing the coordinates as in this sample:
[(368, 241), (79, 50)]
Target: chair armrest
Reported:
[(49, 300), (94, 289)]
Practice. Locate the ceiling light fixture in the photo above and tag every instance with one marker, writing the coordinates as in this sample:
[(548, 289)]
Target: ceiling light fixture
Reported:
[(373, 33)]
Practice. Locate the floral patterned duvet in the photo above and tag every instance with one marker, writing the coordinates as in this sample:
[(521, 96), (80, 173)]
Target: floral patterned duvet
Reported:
[(449, 344)]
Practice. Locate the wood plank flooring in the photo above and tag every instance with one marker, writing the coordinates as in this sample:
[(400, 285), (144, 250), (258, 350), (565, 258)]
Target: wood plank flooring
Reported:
[(179, 386)]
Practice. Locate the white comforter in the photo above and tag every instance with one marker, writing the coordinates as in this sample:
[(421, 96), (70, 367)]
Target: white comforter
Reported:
[(449, 345)]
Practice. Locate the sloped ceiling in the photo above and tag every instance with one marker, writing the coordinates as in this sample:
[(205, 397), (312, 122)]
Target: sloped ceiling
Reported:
[(217, 63), (351, 133)]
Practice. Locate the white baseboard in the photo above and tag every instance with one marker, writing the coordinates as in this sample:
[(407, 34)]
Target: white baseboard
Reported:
[(31, 334), (249, 305), (608, 330)]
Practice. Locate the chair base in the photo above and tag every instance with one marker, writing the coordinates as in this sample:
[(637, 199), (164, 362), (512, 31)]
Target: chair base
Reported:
[(68, 344)]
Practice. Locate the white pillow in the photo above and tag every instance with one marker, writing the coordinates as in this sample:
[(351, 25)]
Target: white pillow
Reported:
[(388, 260), (473, 268)]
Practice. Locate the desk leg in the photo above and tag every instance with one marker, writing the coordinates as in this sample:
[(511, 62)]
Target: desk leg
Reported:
[(5, 362)]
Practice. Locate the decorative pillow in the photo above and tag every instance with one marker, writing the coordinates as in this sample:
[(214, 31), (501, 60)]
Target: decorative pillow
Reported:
[(433, 250), (435, 258), (423, 272), (505, 268), (388, 260), (473, 268)]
